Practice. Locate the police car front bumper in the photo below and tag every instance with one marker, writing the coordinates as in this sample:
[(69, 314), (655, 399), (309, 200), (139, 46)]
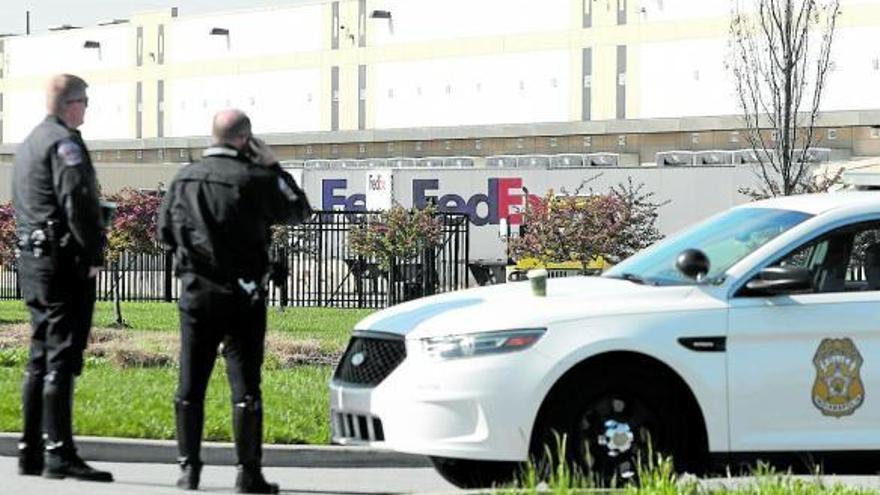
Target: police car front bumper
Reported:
[(472, 408)]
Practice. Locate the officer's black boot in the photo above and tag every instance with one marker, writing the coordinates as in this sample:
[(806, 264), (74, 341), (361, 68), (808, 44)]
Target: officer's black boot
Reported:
[(190, 419), (30, 448), (30, 460), (251, 480), (61, 460), (247, 424)]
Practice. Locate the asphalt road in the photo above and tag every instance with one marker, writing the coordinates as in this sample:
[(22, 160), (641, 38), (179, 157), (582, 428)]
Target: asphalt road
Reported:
[(156, 479)]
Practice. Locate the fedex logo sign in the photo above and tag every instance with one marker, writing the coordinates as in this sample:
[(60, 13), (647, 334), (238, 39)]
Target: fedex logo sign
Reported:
[(503, 199), (377, 183)]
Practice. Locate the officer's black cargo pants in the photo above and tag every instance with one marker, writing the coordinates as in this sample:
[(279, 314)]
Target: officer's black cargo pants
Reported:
[(61, 300), (211, 313)]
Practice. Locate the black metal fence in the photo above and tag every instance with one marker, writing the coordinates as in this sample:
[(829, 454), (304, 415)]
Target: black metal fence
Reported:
[(322, 269), (141, 277), (325, 272)]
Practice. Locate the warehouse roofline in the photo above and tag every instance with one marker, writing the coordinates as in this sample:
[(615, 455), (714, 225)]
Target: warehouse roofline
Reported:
[(606, 127)]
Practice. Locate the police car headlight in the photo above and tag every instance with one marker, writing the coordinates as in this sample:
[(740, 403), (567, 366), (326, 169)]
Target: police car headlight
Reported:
[(480, 344)]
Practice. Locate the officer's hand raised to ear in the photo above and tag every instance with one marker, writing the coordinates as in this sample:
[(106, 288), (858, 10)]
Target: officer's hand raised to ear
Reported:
[(262, 153)]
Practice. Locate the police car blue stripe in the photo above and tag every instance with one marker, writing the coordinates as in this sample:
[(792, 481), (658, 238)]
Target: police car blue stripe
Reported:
[(407, 320)]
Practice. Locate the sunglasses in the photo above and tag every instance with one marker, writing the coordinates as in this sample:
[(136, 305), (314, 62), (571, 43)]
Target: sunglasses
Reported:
[(84, 101)]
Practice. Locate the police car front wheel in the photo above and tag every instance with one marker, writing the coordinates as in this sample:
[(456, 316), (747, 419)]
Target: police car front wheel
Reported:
[(609, 428)]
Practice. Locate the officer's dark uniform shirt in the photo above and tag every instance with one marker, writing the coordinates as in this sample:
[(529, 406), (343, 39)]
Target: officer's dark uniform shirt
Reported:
[(217, 213), (54, 186)]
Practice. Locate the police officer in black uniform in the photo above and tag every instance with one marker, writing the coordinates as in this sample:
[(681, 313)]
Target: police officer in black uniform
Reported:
[(215, 218), (60, 231)]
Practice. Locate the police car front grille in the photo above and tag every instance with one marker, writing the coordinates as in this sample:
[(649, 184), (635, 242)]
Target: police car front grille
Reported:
[(349, 427), (370, 359)]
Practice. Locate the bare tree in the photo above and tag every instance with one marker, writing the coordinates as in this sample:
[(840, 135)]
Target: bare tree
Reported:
[(780, 58)]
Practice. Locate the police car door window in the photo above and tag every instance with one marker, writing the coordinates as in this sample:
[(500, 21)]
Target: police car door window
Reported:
[(863, 271), (845, 260)]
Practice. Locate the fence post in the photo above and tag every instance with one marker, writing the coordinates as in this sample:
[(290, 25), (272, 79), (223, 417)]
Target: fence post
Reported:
[(284, 255), (321, 260), (466, 221), (360, 266), (168, 275), (429, 272), (391, 299)]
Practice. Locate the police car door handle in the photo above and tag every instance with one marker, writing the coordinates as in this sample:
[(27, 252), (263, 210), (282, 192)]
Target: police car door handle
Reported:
[(704, 344)]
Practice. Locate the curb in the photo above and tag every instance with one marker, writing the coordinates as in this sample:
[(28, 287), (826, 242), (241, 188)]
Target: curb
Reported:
[(223, 454)]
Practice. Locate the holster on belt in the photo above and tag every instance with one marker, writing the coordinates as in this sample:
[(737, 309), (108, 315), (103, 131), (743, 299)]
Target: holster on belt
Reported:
[(48, 240)]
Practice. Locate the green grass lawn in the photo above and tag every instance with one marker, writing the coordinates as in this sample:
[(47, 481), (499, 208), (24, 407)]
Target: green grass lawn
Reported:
[(330, 326), (656, 476), (137, 402)]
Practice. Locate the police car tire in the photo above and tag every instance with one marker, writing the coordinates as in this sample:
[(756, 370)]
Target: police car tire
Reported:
[(641, 390), (469, 473)]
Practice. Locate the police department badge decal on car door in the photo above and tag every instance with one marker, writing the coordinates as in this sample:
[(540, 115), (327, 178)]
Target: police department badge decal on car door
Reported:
[(838, 389)]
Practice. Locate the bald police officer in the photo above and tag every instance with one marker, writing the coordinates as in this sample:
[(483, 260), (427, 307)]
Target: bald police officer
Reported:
[(60, 232), (215, 218)]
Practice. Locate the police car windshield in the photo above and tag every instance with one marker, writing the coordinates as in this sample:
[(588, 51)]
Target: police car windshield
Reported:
[(725, 238)]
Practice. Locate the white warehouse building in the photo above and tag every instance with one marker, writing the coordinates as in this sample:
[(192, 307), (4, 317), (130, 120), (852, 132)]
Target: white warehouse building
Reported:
[(512, 84)]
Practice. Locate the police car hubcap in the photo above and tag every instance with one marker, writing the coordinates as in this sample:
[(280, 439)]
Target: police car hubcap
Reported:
[(614, 429), (617, 438)]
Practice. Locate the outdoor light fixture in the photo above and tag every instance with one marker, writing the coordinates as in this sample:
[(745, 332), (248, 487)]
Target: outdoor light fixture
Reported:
[(383, 14), (218, 31), (93, 45), (63, 27), (112, 22)]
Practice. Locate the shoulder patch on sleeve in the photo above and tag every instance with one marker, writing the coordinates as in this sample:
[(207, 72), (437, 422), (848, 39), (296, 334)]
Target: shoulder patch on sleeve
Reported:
[(292, 196), (71, 154)]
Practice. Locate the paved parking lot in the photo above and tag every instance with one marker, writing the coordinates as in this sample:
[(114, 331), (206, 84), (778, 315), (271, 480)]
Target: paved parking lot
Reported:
[(157, 479)]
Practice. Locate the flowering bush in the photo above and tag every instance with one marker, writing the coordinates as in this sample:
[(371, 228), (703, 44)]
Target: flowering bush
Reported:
[(569, 228), (396, 234), (581, 228), (8, 238), (133, 229), (640, 226)]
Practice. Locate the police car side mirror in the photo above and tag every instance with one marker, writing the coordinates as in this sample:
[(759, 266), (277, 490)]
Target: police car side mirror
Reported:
[(693, 263), (775, 280)]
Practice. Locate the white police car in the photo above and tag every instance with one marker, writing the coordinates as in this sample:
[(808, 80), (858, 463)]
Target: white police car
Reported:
[(755, 333)]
